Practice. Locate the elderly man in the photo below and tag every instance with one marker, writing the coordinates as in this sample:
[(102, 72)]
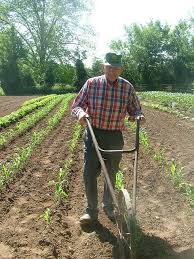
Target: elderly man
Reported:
[(106, 100)]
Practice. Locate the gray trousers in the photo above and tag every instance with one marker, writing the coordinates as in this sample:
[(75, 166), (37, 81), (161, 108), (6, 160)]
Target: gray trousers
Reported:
[(107, 139)]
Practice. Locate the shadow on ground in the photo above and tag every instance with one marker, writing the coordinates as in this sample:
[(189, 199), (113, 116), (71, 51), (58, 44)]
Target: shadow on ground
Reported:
[(152, 247), (148, 247)]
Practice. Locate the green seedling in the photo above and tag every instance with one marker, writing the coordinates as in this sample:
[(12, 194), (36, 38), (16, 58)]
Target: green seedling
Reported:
[(176, 174), (159, 156), (60, 194), (61, 174), (46, 216), (144, 140), (136, 236), (75, 137), (178, 179), (6, 173), (119, 180)]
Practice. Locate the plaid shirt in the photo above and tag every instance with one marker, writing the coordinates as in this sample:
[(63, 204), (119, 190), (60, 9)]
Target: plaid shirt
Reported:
[(106, 103)]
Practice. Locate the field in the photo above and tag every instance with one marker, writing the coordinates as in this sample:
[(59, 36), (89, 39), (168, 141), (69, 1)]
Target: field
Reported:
[(42, 192)]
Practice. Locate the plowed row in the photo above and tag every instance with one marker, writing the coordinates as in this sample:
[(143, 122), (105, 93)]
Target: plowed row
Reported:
[(165, 218)]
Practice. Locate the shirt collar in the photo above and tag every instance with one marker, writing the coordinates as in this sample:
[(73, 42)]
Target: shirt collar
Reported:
[(115, 83)]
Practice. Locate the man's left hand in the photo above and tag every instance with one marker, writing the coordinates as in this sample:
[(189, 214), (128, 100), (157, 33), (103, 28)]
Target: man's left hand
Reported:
[(141, 118), (134, 118)]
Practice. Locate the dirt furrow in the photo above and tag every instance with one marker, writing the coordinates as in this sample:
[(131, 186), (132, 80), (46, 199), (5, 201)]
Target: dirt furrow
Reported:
[(9, 104), (164, 216), (11, 149), (96, 241), (22, 232), (173, 136)]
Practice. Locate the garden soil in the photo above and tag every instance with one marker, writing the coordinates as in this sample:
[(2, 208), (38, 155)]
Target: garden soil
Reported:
[(9, 104), (165, 219)]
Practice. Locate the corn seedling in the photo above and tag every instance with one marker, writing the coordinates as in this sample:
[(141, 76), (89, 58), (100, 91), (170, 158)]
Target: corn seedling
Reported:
[(61, 174), (119, 180), (6, 172), (159, 156), (144, 140), (136, 236), (60, 194), (46, 216), (75, 137), (176, 174), (178, 179)]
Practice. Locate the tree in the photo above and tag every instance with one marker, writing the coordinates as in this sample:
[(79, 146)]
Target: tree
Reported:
[(146, 52), (50, 29), (181, 53), (156, 54), (96, 69), (81, 74), (11, 51), (65, 74)]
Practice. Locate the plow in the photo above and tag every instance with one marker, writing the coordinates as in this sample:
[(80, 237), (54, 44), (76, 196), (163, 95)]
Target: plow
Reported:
[(124, 203)]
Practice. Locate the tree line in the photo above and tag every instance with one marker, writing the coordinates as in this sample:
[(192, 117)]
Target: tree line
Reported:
[(45, 42), (156, 55), (40, 42)]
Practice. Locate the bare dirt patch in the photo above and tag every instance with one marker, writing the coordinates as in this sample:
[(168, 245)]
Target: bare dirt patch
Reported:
[(9, 104)]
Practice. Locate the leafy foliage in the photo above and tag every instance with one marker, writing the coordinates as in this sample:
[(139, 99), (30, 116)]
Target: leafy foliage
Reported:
[(11, 51), (156, 54), (49, 29), (81, 74), (178, 101), (96, 69)]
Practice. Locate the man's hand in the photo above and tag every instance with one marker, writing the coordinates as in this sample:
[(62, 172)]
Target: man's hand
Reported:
[(134, 118), (83, 121), (141, 118)]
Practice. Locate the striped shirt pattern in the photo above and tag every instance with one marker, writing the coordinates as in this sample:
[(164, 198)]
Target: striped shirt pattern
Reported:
[(106, 103)]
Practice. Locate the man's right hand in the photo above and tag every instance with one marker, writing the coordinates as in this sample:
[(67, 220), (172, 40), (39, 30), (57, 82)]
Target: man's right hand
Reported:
[(82, 121)]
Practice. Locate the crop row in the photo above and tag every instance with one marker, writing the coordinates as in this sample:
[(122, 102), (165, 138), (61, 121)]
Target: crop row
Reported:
[(24, 110), (60, 184), (181, 102), (37, 99), (176, 175), (7, 169), (29, 122)]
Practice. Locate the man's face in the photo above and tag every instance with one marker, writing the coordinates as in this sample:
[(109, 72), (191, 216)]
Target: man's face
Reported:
[(112, 73)]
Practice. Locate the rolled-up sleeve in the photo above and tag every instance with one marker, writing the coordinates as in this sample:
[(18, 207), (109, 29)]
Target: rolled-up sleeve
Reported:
[(80, 103)]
